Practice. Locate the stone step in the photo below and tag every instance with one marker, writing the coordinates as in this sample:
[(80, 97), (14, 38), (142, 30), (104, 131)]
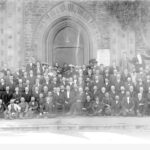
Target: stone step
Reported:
[(77, 123)]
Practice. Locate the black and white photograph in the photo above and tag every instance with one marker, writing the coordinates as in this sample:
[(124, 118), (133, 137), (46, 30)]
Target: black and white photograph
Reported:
[(75, 71)]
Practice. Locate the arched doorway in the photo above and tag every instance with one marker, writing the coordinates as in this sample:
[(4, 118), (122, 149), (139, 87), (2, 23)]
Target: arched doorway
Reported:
[(68, 46), (67, 41), (54, 23)]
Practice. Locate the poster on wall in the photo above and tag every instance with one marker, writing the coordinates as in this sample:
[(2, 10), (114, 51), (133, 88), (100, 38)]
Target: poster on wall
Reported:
[(103, 57)]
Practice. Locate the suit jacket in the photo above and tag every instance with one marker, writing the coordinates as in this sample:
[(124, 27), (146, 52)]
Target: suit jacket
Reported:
[(128, 84), (17, 97), (7, 97), (139, 103), (107, 86), (59, 99), (118, 85), (2, 90), (95, 94), (33, 106), (128, 105), (107, 101), (12, 85), (71, 95), (52, 85), (116, 105), (47, 107), (36, 95), (27, 96), (112, 79)]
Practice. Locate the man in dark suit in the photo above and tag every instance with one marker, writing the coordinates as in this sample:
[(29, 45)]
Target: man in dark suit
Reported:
[(7, 96), (107, 101), (116, 106), (53, 84), (107, 84), (79, 99), (128, 105), (11, 83), (97, 107), (140, 105), (69, 98), (27, 95), (118, 83), (98, 82), (87, 106), (95, 92), (59, 101)]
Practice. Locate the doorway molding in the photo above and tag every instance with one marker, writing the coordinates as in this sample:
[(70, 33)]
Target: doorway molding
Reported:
[(54, 19)]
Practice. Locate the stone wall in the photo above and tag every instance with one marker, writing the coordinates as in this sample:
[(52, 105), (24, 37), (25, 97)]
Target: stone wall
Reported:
[(20, 18)]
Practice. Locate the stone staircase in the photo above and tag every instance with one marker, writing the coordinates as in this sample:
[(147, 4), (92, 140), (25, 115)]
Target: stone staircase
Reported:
[(77, 124)]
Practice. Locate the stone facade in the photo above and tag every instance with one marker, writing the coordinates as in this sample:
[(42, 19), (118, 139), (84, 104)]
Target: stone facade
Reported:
[(23, 23)]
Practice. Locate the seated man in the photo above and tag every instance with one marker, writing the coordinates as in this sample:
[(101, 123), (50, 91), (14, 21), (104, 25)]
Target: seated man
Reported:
[(48, 106), (23, 107), (59, 101), (17, 95), (13, 110), (87, 106), (33, 108), (140, 104), (97, 107), (107, 100), (128, 105), (77, 105), (116, 106)]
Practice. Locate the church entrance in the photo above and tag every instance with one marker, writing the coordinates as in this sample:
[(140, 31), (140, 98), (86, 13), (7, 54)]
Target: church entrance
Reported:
[(68, 42), (68, 46), (67, 33)]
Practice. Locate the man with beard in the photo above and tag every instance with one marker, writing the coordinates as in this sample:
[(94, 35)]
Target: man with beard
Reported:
[(27, 95), (128, 105), (116, 106), (97, 107), (87, 106), (76, 107), (107, 100), (33, 108), (59, 101), (140, 105), (7, 96), (69, 98)]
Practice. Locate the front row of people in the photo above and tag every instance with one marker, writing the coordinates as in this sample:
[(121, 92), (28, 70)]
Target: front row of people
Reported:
[(81, 105)]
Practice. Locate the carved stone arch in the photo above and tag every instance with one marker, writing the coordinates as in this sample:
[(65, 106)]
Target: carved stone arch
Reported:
[(53, 20)]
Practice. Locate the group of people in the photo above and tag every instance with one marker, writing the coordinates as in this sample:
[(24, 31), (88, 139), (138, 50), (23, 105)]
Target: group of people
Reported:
[(41, 90)]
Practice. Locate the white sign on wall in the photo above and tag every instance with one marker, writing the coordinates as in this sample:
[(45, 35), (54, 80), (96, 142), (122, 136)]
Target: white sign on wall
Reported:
[(103, 57)]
